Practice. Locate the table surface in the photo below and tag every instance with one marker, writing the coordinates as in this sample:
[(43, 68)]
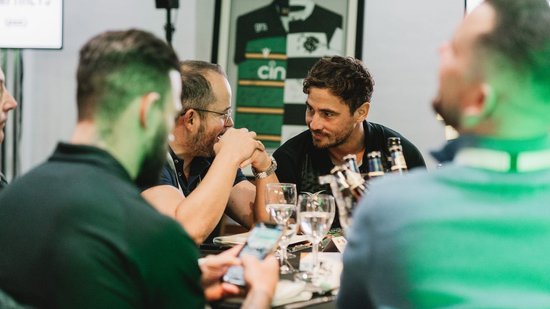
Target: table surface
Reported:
[(318, 301)]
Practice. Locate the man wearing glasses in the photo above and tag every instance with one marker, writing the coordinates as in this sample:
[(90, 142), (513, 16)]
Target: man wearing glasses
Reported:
[(202, 178)]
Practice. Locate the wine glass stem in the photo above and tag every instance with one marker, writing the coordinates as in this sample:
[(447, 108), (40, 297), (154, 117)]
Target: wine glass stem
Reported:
[(315, 252), (284, 256)]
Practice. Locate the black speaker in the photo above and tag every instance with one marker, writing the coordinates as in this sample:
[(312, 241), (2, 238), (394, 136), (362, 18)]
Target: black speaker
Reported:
[(167, 4)]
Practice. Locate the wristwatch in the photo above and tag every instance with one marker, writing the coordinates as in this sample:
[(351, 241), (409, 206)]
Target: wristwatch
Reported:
[(270, 170)]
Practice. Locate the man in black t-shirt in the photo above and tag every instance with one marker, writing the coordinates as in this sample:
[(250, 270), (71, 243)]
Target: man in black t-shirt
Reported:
[(339, 91)]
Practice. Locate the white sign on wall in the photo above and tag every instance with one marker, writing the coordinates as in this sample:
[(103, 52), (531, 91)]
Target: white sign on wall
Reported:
[(31, 24), (472, 4)]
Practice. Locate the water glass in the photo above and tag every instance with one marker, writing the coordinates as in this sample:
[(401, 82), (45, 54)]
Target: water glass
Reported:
[(315, 215), (281, 206)]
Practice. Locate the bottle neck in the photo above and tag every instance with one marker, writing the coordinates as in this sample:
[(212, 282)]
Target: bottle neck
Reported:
[(398, 160)]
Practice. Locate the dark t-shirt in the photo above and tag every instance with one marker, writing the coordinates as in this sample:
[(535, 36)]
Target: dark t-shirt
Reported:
[(76, 233), (198, 170), (301, 163)]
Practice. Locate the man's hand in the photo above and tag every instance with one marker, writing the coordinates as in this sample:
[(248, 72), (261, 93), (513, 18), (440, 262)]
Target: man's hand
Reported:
[(238, 143), (261, 278), (213, 267), (260, 160)]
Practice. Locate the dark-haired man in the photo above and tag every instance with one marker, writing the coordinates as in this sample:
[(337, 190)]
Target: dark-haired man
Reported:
[(339, 91), (75, 231), (474, 234), (7, 103)]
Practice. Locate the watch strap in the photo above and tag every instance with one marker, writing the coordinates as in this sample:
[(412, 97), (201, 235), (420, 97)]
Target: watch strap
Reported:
[(270, 170)]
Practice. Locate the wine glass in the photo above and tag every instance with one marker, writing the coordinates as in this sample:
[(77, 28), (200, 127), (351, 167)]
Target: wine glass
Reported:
[(315, 215), (289, 229), (281, 206)]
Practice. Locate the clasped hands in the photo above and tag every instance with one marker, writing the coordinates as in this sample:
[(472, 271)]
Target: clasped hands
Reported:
[(242, 144)]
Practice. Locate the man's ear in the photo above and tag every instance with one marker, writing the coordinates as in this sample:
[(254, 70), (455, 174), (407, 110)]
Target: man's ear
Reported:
[(362, 111), (190, 118), (480, 104), (147, 100)]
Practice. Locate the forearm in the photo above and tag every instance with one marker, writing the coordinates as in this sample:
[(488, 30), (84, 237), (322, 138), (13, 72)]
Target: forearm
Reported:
[(164, 198), (201, 211), (247, 201), (257, 299)]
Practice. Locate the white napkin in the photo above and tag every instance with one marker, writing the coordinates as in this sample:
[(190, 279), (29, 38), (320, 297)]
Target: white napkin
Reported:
[(239, 239), (331, 263), (286, 292), (231, 240), (289, 292)]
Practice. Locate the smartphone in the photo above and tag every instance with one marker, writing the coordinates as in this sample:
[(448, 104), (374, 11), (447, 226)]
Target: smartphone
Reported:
[(263, 239)]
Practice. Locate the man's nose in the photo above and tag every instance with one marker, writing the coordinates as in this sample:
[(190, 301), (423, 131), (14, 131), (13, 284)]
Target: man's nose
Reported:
[(229, 123), (9, 101), (315, 122)]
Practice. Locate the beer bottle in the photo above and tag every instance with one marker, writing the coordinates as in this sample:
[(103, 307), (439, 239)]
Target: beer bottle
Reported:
[(339, 175), (398, 164), (376, 169), (351, 161), (356, 183), (349, 181)]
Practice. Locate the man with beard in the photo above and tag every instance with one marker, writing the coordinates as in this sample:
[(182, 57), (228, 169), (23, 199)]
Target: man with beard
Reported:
[(475, 233), (7, 103), (75, 231), (202, 178), (339, 91)]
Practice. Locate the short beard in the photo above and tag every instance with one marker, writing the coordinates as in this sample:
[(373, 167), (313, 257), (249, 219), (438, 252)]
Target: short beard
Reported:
[(204, 147), (149, 172), (336, 143), (450, 118)]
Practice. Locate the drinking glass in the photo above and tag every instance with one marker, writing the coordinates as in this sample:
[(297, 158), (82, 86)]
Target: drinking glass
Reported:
[(315, 215), (281, 206), (289, 229)]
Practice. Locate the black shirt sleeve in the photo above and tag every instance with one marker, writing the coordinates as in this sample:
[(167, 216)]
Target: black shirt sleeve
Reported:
[(377, 140), (413, 157), (287, 165), (166, 177)]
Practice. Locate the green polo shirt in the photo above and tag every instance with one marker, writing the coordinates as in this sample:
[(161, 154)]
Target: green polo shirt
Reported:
[(473, 234)]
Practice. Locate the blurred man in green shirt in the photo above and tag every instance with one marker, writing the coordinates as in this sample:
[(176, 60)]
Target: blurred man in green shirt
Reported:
[(475, 233)]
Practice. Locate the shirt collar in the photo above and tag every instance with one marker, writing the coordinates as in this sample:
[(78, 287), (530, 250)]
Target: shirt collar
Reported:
[(91, 155), (303, 11), (198, 168), (499, 155)]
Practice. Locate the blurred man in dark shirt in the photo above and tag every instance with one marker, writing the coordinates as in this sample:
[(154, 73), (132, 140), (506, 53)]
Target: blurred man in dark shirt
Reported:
[(75, 231)]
